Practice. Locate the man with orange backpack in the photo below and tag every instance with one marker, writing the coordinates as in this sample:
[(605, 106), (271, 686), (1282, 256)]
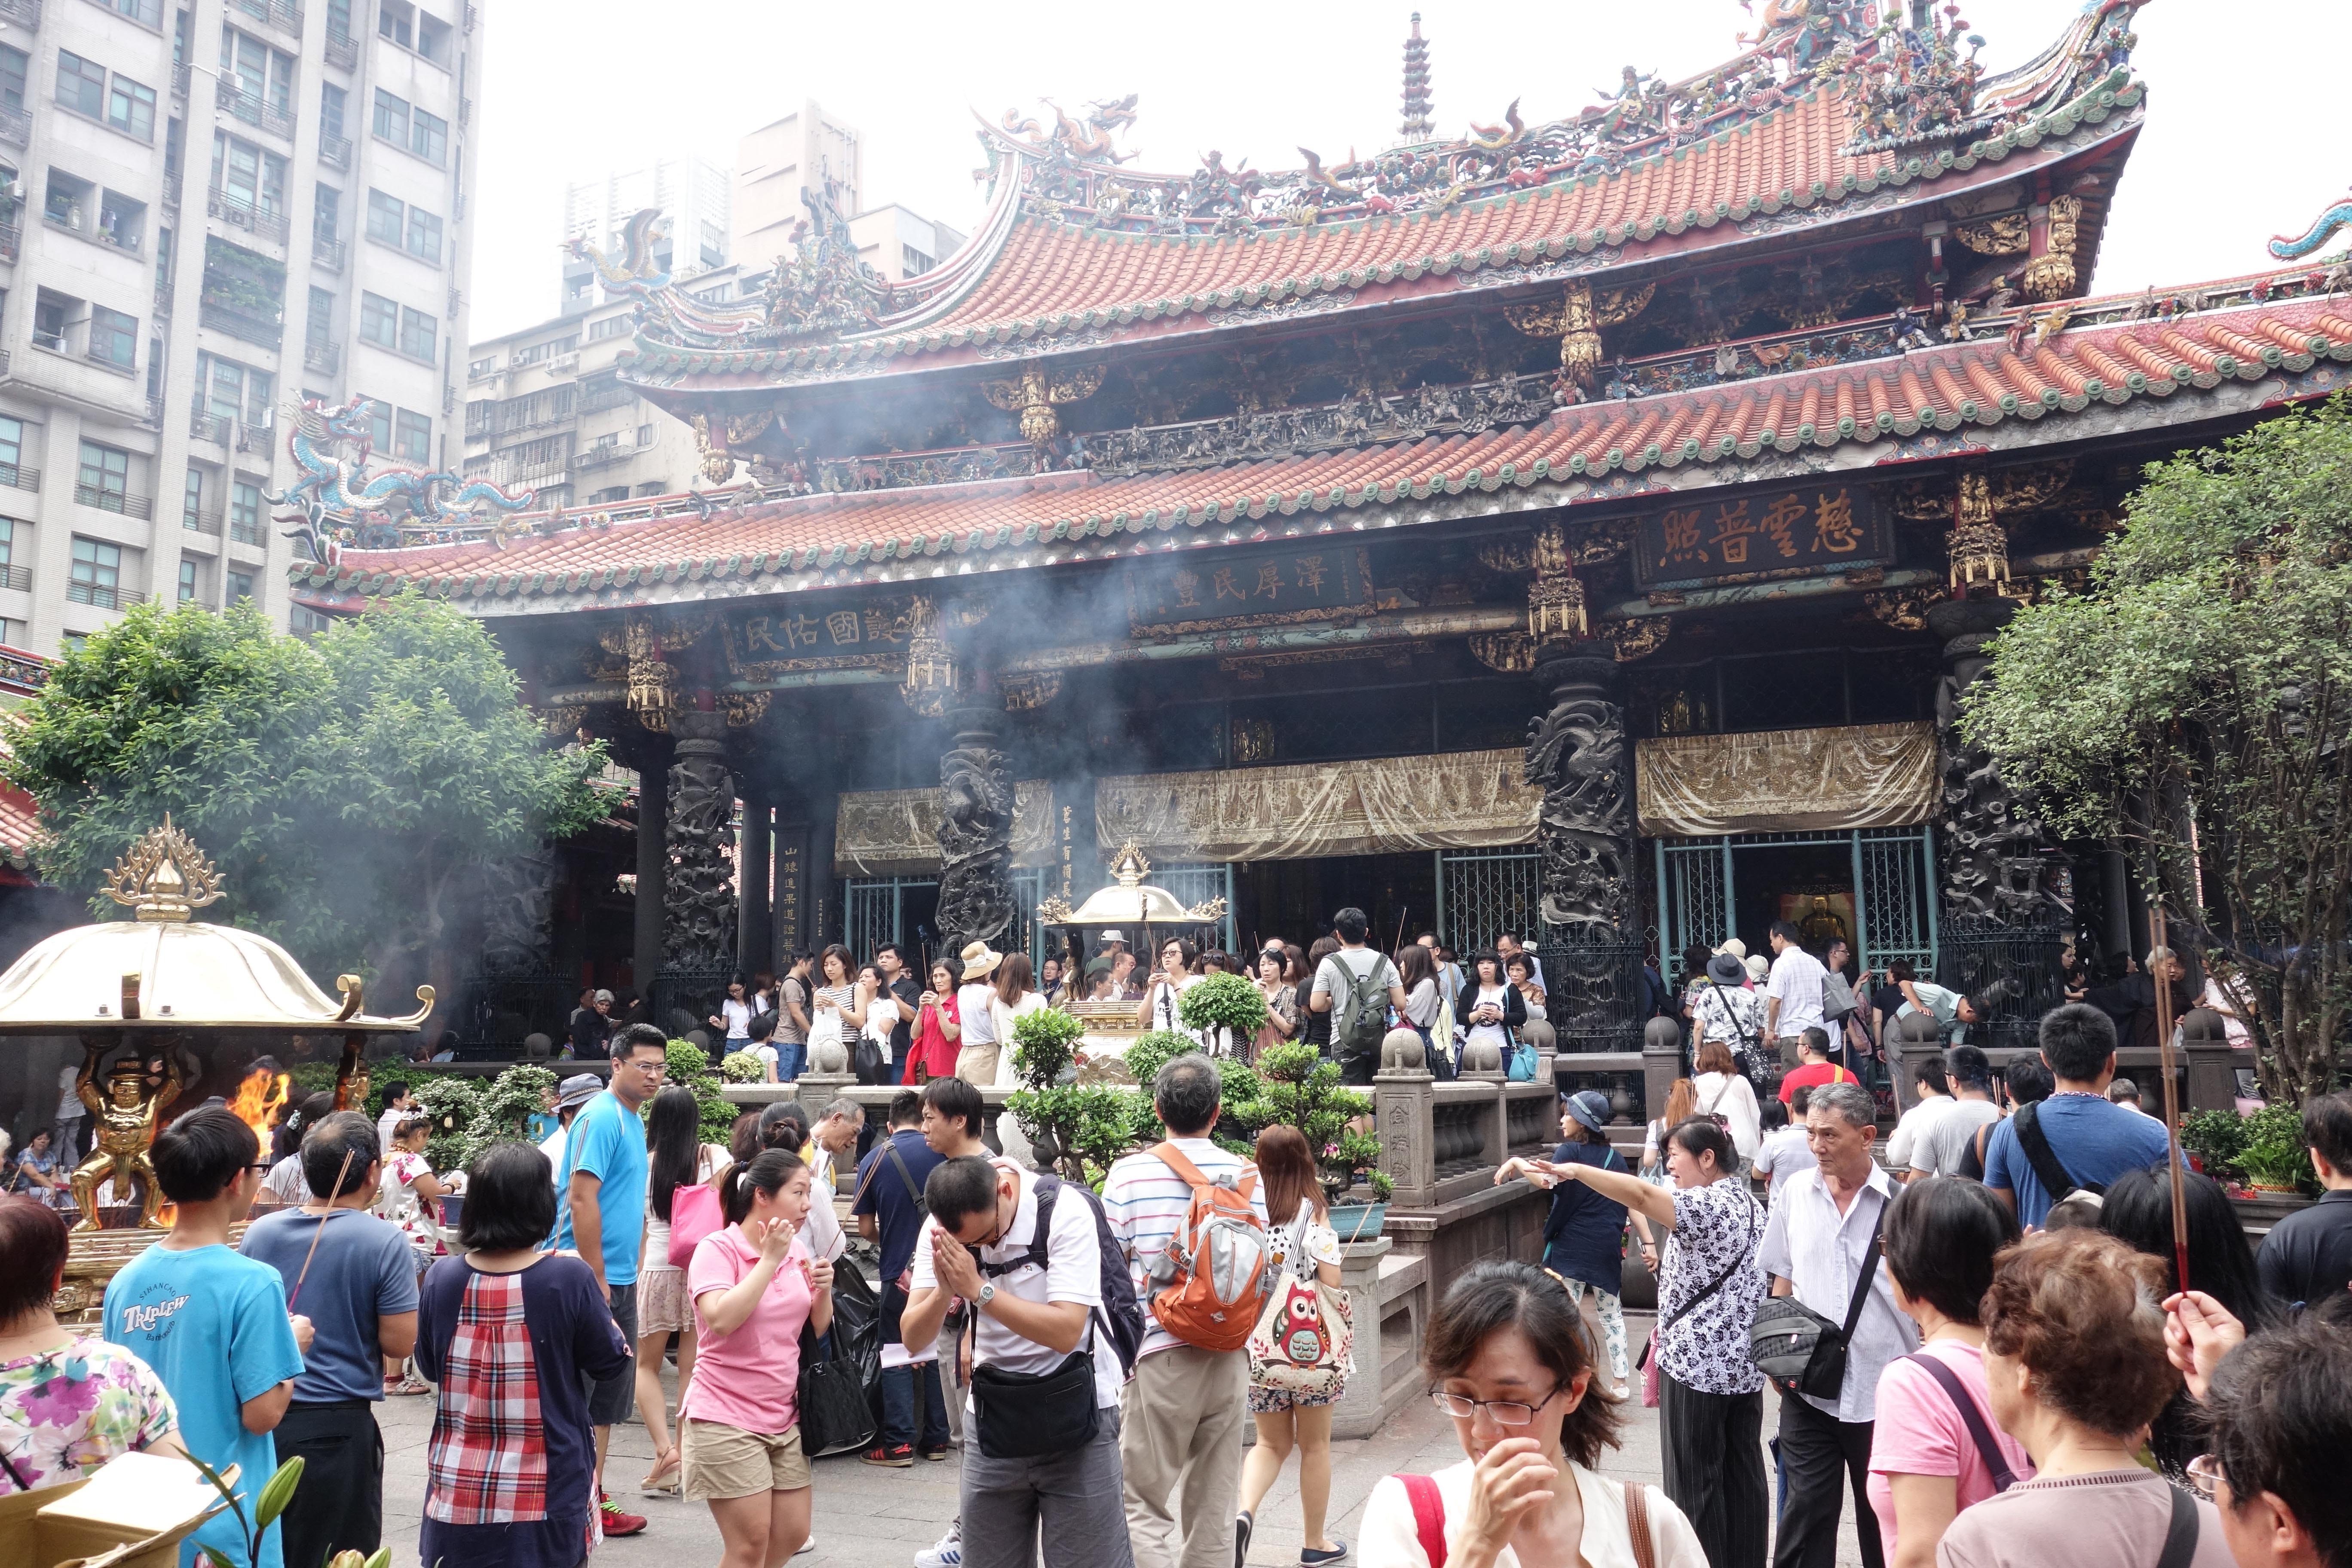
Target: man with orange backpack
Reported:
[(1191, 1219)]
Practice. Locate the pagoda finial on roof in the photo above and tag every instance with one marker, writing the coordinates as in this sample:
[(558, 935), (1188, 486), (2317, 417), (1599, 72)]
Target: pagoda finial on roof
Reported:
[(1417, 126)]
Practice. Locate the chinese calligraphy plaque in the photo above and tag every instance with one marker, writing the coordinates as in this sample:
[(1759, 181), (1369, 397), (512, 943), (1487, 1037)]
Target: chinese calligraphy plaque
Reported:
[(1830, 525), (1213, 590)]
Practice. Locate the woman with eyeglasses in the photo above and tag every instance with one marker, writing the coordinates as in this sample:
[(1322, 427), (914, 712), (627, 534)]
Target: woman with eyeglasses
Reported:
[(1508, 1361), (2075, 1369)]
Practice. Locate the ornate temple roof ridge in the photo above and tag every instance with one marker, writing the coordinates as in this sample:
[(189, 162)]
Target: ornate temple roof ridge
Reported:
[(2123, 353), (1077, 250)]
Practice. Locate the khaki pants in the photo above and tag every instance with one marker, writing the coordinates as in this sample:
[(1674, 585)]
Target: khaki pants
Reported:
[(1179, 1446), (1789, 1059), (976, 1064)]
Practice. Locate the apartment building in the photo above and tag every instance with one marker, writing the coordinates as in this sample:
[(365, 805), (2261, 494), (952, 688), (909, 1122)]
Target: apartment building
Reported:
[(213, 211), (694, 192)]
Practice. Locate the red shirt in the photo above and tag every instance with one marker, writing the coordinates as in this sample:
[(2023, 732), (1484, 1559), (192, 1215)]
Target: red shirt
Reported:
[(1813, 1073), (934, 1055)]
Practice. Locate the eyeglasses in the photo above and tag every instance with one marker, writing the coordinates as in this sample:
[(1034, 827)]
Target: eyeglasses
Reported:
[(1503, 1412), (2205, 1476)]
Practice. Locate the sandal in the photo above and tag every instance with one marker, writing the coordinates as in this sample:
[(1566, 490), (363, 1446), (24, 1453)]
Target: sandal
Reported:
[(663, 1479), (409, 1385)]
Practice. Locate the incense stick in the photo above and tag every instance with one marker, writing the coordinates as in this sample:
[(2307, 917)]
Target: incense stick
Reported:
[(334, 1192), (2159, 959)]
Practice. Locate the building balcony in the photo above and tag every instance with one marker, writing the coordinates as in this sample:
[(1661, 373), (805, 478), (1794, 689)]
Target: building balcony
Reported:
[(239, 212), (329, 252), (254, 439), (335, 151), (207, 523), (115, 502), (253, 110), (10, 241), (20, 578), (105, 596), (324, 358), (277, 12), (155, 412), (180, 74), (342, 50), (172, 193), (603, 457), (203, 426), (20, 477), (247, 533), (25, 12), (238, 325), (606, 398), (16, 128)]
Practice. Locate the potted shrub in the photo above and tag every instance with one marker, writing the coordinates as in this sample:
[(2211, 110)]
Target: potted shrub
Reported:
[(1227, 1011), (1069, 1125), (1298, 1088), (2274, 1156), (2214, 1140)]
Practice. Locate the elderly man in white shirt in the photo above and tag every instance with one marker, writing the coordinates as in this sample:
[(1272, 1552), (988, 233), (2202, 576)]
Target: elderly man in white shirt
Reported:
[(1821, 1240), (1792, 998)]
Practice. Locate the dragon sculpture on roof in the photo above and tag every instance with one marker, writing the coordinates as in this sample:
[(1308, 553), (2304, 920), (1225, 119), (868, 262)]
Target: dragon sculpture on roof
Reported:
[(2295, 247), (336, 502)]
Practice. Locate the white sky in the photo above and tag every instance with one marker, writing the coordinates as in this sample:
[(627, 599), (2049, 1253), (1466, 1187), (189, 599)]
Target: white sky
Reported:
[(2243, 140)]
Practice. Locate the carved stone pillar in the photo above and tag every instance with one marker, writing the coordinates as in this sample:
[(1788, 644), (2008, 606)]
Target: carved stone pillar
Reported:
[(756, 922), (698, 900), (975, 834), (653, 863), (1992, 836), (1578, 753)]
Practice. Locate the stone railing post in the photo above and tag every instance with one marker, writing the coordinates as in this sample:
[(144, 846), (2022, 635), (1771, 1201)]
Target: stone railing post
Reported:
[(1916, 1038), (1662, 1063), (2212, 1063), (1404, 1112)]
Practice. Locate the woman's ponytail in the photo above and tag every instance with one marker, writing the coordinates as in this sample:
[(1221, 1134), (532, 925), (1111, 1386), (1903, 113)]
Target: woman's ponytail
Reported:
[(767, 1173)]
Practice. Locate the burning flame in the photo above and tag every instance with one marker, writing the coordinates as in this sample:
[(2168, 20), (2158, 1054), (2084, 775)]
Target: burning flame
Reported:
[(260, 1097)]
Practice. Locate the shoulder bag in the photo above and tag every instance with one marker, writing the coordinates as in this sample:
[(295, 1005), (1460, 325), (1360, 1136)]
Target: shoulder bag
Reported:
[(835, 1417), (1429, 1523), (1802, 1350), (1996, 1463), (1649, 1359), (2047, 1168), (1304, 1338)]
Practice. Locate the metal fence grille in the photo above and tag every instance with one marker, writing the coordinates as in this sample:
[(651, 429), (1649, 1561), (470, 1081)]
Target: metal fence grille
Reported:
[(1482, 894), (1894, 896), (872, 912), (1191, 885), (1028, 892), (1694, 894)]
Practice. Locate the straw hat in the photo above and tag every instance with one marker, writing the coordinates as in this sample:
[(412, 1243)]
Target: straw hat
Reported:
[(1759, 969), (980, 960), (1736, 948)]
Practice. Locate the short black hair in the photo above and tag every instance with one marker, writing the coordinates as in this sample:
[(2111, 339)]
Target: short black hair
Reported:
[(625, 1043), (953, 1097), (1930, 1074), (1900, 969), (894, 949), (1941, 1235), (346, 1133), (2028, 1080), (1786, 931), (1704, 1135), (1815, 1039), (1186, 1093), (906, 1109), (1800, 1100), (201, 1153), (2327, 1128), (2076, 1041), (394, 1090), (960, 1187), (1350, 924), (1969, 1065), (509, 1199), (2281, 1409), (1774, 1116), (761, 1027)]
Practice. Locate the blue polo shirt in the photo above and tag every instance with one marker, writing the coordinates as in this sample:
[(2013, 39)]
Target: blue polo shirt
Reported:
[(2094, 1138), (607, 1142)]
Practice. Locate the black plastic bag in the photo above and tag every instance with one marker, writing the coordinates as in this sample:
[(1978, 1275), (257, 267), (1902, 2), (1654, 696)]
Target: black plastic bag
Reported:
[(841, 1374)]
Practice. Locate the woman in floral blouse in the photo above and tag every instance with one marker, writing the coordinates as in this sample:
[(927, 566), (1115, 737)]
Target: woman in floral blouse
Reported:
[(68, 1405)]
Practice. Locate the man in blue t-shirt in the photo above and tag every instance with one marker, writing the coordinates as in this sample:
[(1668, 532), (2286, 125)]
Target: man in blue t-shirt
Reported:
[(600, 1215), (356, 1279), (214, 1325), (889, 1209), (2092, 1140)]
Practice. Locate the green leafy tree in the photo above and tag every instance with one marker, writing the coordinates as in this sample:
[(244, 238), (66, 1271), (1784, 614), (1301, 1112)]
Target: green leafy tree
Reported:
[(348, 788), (2197, 703)]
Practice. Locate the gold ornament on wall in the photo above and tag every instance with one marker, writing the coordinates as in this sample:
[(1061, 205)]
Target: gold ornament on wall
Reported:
[(1035, 393), (1575, 320), (745, 709), (1026, 693), (2051, 276), (2005, 235), (1904, 609), (1511, 653), (1630, 640), (1978, 543)]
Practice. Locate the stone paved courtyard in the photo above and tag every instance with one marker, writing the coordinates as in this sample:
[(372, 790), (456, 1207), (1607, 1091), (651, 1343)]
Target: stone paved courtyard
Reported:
[(872, 1518)]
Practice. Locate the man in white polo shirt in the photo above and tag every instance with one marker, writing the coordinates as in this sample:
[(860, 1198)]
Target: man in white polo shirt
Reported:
[(1792, 997), (1037, 1301)]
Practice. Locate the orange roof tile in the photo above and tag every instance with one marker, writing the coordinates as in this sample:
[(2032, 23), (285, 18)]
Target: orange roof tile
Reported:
[(820, 540)]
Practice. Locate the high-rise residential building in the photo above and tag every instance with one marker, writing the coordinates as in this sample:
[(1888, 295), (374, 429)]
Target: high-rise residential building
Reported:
[(692, 193), (804, 151), (213, 211)]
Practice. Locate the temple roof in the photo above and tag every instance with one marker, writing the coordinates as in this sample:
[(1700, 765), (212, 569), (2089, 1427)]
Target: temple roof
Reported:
[(2098, 358), (1077, 252)]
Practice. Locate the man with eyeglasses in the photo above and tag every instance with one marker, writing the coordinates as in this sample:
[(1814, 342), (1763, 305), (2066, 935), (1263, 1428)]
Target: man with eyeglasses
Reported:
[(600, 1215)]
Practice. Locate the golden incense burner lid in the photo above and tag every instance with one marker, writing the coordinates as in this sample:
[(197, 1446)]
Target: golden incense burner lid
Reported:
[(163, 877), (1131, 902)]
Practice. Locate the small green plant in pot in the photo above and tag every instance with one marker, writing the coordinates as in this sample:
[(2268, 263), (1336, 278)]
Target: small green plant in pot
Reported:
[(1226, 1010), (2216, 1138), (1298, 1087), (2274, 1156)]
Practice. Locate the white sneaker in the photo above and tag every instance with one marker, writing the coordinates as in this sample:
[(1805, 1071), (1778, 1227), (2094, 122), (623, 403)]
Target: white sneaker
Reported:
[(807, 1546), (947, 1553)]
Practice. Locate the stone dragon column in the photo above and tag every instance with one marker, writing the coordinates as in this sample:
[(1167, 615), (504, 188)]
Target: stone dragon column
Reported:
[(976, 901), (698, 893), (1992, 836), (1577, 752)]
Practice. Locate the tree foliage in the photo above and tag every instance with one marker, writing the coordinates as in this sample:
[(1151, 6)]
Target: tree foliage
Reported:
[(348, 788), (2197, 703)]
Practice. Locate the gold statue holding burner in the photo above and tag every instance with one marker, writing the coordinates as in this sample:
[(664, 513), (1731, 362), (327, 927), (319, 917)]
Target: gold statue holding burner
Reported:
[(126, 1123)]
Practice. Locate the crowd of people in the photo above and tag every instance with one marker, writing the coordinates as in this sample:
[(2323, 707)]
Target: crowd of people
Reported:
[(1982, 1352)]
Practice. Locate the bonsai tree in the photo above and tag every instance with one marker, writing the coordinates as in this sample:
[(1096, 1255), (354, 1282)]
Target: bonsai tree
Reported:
[(1226, 1004), (505, 1109), (1079, 1129), (1298, 1088)]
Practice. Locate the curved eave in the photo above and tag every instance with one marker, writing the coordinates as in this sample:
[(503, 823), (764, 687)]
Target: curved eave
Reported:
[(2109, 112), (1927, 404)]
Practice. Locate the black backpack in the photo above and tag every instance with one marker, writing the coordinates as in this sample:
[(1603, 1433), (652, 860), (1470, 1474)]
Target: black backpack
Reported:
[(1121, 1315), (1360, 1019)]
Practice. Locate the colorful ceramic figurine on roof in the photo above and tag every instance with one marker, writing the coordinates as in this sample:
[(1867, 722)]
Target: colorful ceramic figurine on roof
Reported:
[(337, 503)]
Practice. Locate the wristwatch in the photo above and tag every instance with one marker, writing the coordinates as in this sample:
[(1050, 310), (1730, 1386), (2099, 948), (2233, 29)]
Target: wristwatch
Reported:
[(987, 1294)]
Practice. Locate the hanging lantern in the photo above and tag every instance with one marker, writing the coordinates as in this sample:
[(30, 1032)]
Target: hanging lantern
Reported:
[(932, 676)]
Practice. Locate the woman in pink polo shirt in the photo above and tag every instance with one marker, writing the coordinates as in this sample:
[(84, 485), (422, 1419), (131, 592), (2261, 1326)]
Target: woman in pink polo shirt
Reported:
[(754, 1284)]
